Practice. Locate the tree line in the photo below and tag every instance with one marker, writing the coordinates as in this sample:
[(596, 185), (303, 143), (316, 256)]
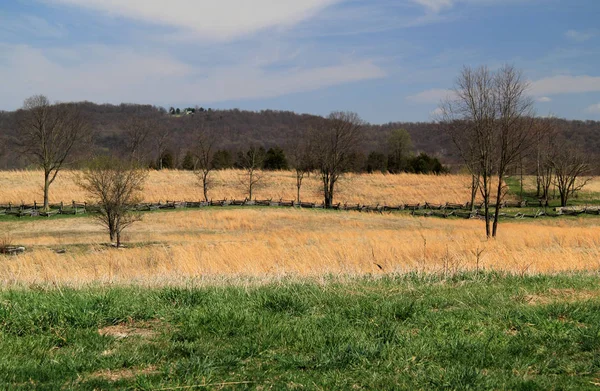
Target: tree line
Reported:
[(49, 134), (239, 129), (489, 119)]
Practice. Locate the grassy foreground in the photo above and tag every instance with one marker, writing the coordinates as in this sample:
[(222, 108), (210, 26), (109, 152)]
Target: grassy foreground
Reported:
[(412, 332)]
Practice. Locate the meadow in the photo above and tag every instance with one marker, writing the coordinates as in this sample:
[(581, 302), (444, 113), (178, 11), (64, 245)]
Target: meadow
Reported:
[(288, 298), (175, 246), (26, 186)]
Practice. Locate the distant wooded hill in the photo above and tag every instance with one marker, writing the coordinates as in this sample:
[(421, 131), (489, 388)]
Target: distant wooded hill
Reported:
[(236, 130)]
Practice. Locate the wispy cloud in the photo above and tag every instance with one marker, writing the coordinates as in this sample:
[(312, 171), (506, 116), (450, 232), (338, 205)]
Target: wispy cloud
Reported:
[(565, 84), (581, 36), (544, 99), (430, 96), (593, 109), (119, 74), (209, 19), (435, 5)]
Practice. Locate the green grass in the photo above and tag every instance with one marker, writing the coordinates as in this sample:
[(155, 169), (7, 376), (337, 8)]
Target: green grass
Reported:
[(582, 198), (406, 332)]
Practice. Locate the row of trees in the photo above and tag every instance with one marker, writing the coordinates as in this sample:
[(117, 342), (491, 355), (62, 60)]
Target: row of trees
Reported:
[(330, 150), (326, 150), (276, 158), (557, 163), (50, 133), (491, 121)]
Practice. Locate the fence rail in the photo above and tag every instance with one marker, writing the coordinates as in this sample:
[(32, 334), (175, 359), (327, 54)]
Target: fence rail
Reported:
[(419, 209)]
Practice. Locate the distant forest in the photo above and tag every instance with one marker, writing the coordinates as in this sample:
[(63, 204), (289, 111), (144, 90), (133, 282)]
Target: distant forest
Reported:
[(173, 134)]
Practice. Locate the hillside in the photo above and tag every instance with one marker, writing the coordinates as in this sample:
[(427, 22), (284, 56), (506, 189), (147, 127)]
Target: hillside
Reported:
[(237, 129)]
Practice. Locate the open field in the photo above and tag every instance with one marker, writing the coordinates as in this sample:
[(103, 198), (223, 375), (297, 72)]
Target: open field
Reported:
[(486, 332), (167, 247), (284, 298), (26, 186)]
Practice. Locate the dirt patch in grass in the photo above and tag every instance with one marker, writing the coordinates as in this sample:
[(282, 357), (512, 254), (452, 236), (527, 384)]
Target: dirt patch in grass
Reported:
[(122, 374), (146, 329), (561, 296)]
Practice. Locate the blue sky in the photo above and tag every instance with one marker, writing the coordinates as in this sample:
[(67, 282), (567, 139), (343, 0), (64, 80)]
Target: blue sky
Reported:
[(388, 60)]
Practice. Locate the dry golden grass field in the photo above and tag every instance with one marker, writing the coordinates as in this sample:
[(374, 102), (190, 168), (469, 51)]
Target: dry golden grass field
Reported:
[(26, 186), (172, 247)]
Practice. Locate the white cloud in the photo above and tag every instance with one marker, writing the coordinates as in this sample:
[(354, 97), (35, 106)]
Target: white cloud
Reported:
[(436, 113), (593, 109), (430, 96), (581, 36), (108, 74), (210, 19), (542, 89), (565, 84), (435, 5)]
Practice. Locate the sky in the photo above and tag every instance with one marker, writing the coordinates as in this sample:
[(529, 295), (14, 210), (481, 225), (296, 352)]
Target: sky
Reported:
[(387, 60)]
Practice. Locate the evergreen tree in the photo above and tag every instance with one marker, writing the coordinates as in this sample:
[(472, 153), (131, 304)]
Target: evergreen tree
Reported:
[(189, 161), (376, 161), (222, 159), (275, 159)]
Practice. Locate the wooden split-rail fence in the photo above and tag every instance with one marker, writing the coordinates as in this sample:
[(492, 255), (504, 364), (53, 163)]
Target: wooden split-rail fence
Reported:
[(418, 209)]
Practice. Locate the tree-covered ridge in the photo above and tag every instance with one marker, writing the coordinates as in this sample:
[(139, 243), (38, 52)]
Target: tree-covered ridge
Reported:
[(237, 130)]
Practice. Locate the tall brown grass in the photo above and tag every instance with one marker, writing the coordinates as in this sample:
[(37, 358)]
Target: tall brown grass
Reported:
[(26, 186), (177, 246)]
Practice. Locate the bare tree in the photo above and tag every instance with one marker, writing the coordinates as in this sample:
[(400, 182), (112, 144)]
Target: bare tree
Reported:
[(400, 147), (115, 186), (301, 158), (335, 142), (546, 146), (515, 127), (203, 153), (138, 129), (161, 136), (251, 163), (48, 134), (468, 116), (569, 165), (490, 120)]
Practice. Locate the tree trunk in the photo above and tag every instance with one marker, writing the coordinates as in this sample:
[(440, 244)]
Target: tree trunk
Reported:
[(46, 190), (298, 184), (250, 185), (118, 239), (326, 190), (497, 207), (486, 205), (205, 185), (564, 197), (521, 169), (329, 200), (474, 188)]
